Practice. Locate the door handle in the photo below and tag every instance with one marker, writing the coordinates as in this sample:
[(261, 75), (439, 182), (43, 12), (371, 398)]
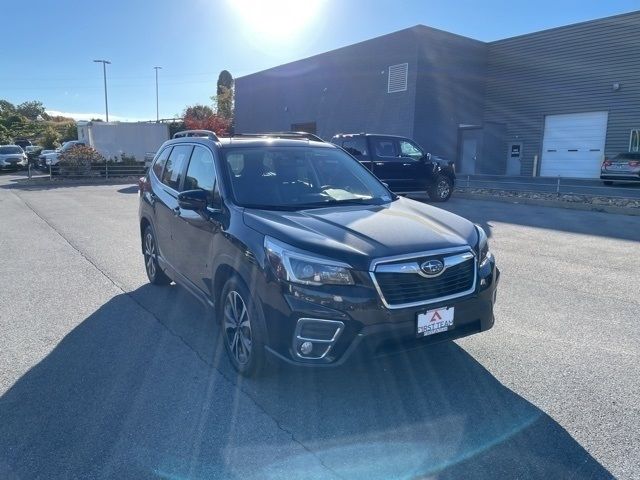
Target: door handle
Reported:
[(406, 164), (380, 164)]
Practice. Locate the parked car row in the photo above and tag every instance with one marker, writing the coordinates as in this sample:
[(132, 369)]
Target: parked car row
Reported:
[(52, 157), (12, 157)]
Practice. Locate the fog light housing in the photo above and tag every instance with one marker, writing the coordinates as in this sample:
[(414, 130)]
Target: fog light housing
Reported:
[(306, 348)]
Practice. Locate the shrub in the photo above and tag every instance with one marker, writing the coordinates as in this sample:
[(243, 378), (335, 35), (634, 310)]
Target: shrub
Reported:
[(78, 160)]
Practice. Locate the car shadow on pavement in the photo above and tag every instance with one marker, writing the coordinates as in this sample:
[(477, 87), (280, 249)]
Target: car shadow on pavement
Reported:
[(142, 389)]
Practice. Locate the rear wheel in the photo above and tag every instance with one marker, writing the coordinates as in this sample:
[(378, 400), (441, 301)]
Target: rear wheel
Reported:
[(242, 327), (154, 273), (441, 189)]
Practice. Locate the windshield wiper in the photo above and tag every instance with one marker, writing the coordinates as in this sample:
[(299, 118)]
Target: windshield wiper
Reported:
[(348, 201)]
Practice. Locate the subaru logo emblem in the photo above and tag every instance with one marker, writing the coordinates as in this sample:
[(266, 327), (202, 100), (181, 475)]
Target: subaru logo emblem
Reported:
[(432, 268)]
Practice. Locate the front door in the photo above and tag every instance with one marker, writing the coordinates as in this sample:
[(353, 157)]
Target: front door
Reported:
[(413, 168), (194, 232)]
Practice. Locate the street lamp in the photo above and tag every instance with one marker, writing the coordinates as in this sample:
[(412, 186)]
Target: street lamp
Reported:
[(157, 110), (104, 72)]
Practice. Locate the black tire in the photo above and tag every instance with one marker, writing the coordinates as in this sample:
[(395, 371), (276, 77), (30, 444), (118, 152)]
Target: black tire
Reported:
[(607, 182), (243, 328), (151, 266), (441, 189)]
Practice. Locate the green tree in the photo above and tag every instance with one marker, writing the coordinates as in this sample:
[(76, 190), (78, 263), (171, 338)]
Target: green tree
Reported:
[(198, 112), (31, 110), (50, 138), (70, 132), (6, 108), (5, 136), (224, 95)]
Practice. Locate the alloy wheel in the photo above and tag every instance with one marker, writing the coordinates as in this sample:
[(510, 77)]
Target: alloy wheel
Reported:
[(237, 327), (150, 255), (443, 189)]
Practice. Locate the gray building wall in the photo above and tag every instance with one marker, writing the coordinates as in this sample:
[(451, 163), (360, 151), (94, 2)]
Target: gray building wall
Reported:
[(449, 90), (566, 70), (344, 90)]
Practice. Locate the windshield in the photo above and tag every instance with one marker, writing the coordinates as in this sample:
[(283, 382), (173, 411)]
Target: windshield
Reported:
[(300, 177), (10, 150)]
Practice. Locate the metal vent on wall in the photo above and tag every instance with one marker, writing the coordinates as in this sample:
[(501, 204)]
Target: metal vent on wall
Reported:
[(398, 78)]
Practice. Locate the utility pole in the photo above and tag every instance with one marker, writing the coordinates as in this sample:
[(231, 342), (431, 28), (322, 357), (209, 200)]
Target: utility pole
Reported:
[(157, 109), (104, 73)]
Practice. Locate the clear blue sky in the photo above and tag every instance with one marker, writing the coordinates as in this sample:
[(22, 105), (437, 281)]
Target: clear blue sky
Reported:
[(48, 46)]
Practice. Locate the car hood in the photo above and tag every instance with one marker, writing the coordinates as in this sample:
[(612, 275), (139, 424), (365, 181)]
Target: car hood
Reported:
[(358, 234)]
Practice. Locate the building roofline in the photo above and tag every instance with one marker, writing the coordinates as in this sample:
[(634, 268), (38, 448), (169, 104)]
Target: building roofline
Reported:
[(424, 28), (582, 23), (414, 28)]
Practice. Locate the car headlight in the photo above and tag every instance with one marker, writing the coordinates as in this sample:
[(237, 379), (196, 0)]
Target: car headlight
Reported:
[(294, 266), (483, 245)]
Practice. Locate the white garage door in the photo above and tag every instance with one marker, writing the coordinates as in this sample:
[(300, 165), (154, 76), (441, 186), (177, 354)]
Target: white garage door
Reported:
[(573, 145)]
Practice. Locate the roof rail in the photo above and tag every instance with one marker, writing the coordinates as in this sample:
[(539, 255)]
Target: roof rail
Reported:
[(196, 133), (289, 135)]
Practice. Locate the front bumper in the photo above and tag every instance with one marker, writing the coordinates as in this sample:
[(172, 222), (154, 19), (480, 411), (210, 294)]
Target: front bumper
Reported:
[(370, 329)]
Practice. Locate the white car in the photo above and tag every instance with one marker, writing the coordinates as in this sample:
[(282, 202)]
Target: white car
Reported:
[(54, 157), (12, 156)]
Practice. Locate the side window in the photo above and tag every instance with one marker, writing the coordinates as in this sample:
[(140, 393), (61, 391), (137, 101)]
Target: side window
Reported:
[(201, 173), (158, 165), (175, 164), (409, 149), (356, 146), (385, 147)]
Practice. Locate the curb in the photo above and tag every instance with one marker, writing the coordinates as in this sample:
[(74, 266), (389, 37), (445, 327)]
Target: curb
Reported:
[(551, 203)]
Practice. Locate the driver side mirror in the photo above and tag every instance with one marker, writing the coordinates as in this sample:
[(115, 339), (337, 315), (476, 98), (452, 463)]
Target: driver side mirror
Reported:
[(195, 200)]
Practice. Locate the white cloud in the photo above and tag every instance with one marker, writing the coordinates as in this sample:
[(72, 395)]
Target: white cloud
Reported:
[(89, 116)]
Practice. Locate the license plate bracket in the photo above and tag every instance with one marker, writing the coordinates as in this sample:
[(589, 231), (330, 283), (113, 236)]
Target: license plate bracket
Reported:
[(434, 321)]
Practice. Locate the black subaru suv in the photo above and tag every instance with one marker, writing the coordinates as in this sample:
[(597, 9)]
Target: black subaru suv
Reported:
[(304, 255), (401, 163)]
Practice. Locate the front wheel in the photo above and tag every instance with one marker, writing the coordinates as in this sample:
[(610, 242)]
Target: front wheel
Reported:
[(441, 189), (242, 328)]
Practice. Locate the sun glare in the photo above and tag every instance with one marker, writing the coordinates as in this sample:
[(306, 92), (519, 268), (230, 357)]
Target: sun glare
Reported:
[(276, 19)]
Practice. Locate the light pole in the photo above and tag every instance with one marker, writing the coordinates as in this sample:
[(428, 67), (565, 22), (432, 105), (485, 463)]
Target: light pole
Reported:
[(157, 110), (104, 72)]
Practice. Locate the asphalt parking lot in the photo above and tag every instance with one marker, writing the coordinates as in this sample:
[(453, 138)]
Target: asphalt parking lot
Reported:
[(105, 376)]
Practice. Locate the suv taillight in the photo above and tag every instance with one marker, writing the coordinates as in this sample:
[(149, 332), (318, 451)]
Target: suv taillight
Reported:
[(606, 162), (634, 163)]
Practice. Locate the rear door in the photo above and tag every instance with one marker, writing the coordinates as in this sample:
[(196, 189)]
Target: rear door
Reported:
[(195, 233), (166, 201)]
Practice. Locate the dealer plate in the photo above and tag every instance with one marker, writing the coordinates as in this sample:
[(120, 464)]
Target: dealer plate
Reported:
[(435, 321)]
